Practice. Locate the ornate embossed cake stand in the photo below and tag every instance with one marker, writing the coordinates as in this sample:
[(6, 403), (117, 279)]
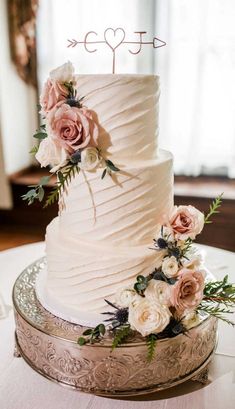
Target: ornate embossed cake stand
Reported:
[(49, 345)]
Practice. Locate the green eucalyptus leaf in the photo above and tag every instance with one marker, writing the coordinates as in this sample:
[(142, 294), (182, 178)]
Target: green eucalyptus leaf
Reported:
[(29, 194), (141, 287), (88, 331), (102, 329), (41, 193), (40, 135), (81, 341), (44, 180)]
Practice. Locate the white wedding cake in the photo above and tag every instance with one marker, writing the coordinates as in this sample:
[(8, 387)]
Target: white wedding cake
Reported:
[(120, 257), (101, 239)]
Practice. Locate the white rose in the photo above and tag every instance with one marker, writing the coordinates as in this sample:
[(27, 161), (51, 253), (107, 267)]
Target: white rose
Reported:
[(64, 73), (51, 154), (170, 267), (89, 159), (126, 296), (192, 319), (158, 291), (148, 317)]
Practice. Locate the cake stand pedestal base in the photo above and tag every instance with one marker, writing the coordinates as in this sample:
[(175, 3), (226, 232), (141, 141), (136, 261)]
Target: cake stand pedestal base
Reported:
[(49, 345)]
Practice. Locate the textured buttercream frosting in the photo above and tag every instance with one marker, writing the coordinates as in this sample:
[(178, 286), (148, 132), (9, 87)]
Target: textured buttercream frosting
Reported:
[(101, 240), (127, 111)]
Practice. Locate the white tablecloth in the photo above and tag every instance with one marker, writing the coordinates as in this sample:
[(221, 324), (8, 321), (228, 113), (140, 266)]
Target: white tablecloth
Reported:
[(22, 388)]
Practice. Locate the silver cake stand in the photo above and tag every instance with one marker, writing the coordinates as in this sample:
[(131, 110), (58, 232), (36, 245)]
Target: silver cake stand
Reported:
[(49, 345)]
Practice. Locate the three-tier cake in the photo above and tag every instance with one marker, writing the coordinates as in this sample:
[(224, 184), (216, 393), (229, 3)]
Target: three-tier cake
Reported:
[(122, 303)]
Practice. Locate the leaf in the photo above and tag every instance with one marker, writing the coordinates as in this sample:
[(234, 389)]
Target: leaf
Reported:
[(216, 312), (81, 341), (40, 135), (44, 180), (104, 173), (213, 209), (34, 150), (30, 193), (61, 177), (40, 194), (102, 329), (66, 176), (120, 335), (52, 197), (151, 341), (112, 166), (88, 331)]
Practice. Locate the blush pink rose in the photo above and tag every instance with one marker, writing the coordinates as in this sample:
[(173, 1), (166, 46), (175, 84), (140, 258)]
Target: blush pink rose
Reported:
[(187, 292), (52, 93), (73, 128), (185, 222)]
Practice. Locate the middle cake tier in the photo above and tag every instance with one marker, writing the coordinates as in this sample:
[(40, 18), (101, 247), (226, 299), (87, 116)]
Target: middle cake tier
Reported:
[(101, 240), (122, 210)]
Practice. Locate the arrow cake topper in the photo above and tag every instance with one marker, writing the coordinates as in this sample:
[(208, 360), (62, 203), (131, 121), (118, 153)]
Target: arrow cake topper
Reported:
[(114, 38)]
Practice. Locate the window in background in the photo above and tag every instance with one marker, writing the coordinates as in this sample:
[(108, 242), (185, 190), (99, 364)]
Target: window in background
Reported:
[(196, 68)]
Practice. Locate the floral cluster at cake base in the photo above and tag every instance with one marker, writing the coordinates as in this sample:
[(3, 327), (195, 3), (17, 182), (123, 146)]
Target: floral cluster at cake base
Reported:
[(177, 295)]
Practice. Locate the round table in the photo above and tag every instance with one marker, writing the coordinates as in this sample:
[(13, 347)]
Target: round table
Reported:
[(22, 388)]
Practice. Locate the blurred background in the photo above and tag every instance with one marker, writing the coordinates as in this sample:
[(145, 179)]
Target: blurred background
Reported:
[(197, 104)]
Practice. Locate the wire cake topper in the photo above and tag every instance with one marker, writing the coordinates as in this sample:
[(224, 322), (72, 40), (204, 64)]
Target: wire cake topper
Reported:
[(114, 38)]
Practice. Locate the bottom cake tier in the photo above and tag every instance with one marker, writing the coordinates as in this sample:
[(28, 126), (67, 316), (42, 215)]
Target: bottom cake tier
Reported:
[(49, 345)]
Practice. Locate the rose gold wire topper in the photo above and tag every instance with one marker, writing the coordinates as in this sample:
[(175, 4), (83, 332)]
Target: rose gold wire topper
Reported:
[(114, 38)]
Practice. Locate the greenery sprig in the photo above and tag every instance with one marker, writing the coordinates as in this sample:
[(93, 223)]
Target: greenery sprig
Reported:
[(151, 341), (64, 178), (219, 297), (121, 333), (37, 192), (220, 291), (216, 311), (92, 335), (213, 208)]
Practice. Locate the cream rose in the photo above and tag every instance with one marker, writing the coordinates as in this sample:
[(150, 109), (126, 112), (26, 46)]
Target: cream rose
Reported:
[(63, 73), (185, 222), (126, 296), (158, 291), (148, 317), (49, 153), (89, 159), (187, 292), (192, 319), (73, 128), (170, 267)]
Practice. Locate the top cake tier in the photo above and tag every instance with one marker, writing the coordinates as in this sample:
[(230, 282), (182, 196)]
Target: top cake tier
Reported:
[(127, 111)]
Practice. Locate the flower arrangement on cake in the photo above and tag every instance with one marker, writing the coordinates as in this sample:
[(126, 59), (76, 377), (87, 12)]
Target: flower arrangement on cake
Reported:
[(69, 138), (177, 295)]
